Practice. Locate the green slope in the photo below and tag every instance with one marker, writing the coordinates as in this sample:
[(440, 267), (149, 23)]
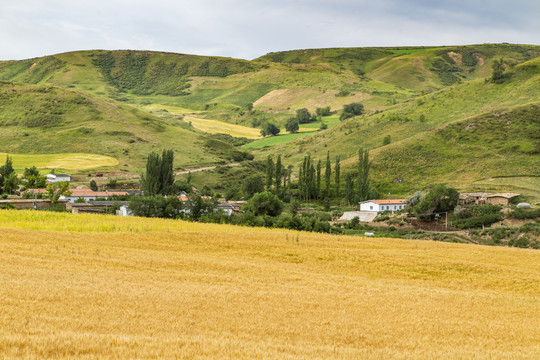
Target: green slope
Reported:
[(414, 94), (414, 122), (38, 119)]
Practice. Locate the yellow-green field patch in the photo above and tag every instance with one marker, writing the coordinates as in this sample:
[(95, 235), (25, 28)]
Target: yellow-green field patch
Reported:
[(307, 98), (215, 127), (66, 161)]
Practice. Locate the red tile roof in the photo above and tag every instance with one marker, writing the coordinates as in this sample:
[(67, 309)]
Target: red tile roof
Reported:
[(389, 201), (89, 192)]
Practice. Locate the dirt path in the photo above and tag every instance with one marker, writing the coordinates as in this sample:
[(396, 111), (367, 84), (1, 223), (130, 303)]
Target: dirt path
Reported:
[(203, 168)]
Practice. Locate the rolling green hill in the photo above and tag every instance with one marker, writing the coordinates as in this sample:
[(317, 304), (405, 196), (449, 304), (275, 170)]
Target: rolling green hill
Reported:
[(41, 119), (125, 104)]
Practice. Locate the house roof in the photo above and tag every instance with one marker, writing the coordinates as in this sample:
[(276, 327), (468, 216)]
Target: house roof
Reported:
[(89, 192), (488, 195), (503, 195), (37, 191), (386, 201)]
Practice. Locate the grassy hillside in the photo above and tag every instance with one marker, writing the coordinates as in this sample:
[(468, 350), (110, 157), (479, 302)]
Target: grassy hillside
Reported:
[(409, 93), (40, 119), (415, 127), (103, 286)]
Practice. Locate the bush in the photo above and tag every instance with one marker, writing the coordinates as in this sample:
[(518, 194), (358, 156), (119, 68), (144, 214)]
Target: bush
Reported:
[(476, 221), (350, 110), (265, 203), (523, 214)]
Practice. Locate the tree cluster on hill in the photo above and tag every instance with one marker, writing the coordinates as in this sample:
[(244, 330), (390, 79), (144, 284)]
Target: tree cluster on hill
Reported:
[(350, 110), (269, 129)]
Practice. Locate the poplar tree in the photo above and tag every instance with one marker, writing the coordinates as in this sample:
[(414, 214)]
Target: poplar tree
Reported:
[(362, 182), (279, 174), (337, 170), (159, 175), (318, 179), (269, 173), (349, 188), (5, 171), (327, 174)]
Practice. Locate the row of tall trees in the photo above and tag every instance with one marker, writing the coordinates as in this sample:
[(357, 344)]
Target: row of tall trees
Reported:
[(159, 176), (356, 188), (310, 183)]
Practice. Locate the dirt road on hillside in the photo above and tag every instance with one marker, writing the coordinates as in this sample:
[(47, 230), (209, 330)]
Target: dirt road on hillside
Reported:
[(202, 168)]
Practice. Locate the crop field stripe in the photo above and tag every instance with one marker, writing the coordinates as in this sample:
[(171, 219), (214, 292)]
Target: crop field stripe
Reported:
[(66, 161), (151, 288)]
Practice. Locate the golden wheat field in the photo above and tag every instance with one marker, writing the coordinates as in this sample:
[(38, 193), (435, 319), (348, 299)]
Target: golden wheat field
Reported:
[(93, 286)]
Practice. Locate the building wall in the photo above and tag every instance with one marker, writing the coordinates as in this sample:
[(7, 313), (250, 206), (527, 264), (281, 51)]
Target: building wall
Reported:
[(498, 200), (373, 206), (369, 206), (28, 204)]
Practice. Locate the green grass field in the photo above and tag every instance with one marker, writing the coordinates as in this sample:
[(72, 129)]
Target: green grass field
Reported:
[(328, 120), (276, 140)]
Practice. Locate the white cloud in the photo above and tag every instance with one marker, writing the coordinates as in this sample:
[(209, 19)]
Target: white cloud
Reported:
[(30, 28)]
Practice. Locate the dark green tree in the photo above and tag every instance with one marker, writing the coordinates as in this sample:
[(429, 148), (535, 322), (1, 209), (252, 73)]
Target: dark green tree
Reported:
[(349, 189), (303, 116), (319, 178), (362, 182), (498, 71), (327, 176), (252, 185), (156, 206), (93, 185), (269, 173), (5, 171), (269, 129), (324, 111), (292, 125), (279, 175), (439, 200), (159, 175), (350, 110), (265, 203), (337, 171), (33, 171), (11, 184)]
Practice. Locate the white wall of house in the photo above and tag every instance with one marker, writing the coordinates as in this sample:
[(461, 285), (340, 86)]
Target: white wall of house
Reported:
[(373, 206), (369, 206), (72, 199)]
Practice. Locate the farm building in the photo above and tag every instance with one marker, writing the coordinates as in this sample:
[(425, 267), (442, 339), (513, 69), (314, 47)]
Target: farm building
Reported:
[(503, 199), (479, 198), (52, 178), (383, 205), (89, 195)]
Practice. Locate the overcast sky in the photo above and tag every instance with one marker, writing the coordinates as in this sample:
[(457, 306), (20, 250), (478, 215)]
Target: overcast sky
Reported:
[(248, 29)]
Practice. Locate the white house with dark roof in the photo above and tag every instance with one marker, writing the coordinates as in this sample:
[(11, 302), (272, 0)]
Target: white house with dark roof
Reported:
[(383, 205)]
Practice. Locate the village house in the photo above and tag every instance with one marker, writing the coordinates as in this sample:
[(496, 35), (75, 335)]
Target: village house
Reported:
[(52, 178), (383, 205), (89, 195)]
